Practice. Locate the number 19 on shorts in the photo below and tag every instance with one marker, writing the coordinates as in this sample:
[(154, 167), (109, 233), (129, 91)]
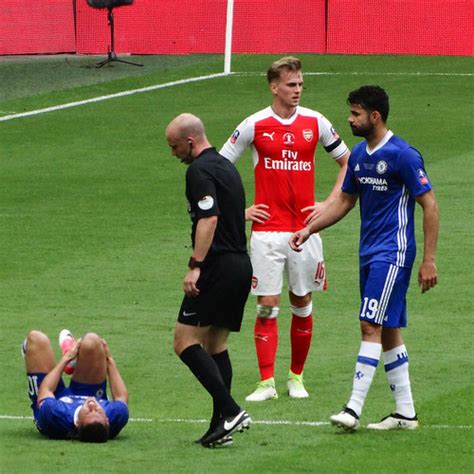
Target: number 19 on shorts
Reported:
[(369, 308)]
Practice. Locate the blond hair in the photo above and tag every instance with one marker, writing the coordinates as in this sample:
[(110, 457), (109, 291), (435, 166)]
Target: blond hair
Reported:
[(289, 63)]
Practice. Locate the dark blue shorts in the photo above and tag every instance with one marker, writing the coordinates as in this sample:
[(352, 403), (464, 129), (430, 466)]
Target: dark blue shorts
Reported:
[(383, 290)]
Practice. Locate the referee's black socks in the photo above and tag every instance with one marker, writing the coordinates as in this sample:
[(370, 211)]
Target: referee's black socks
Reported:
[(206, 370), (225, 367)]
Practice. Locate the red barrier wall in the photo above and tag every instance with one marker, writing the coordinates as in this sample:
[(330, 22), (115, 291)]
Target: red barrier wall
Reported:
[(260, 26), (29, 27), (279, 26), (149, 27), (401, 27), (154, 27)]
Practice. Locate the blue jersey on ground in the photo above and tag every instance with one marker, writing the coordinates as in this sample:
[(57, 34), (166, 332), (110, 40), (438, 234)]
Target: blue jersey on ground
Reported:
[(56, 417), (387, 180)]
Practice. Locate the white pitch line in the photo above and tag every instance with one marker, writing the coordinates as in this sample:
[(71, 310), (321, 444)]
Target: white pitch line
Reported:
[(213, 76), (110, 96), (298, 423), (13, 417), (255, 422), (367, 73)]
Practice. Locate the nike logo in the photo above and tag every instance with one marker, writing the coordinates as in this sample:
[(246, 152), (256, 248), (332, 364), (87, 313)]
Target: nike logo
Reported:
[(269, 135), (228, 426), (188, 314), (262, 338)]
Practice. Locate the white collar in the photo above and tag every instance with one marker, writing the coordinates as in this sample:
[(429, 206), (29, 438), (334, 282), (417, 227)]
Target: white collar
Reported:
[(380, 144)]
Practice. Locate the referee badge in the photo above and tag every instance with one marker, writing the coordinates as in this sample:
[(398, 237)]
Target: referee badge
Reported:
[(206, 203)]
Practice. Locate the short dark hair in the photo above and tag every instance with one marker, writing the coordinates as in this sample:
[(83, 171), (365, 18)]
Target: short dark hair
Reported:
[(371, 98), (290, 63), (93, 433)]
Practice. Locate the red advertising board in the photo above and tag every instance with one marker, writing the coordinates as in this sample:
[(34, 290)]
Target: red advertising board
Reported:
[(444, 27)]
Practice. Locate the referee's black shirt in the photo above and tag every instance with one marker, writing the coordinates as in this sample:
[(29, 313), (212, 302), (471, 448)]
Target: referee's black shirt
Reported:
[(214, 188)]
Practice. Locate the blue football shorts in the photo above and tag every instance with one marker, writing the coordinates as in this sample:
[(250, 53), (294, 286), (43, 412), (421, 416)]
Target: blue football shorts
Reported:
[(383, 290), (89, 390)]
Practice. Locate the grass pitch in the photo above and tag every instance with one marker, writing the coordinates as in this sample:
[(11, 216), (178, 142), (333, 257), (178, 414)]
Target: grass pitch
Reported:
[(95, 236)]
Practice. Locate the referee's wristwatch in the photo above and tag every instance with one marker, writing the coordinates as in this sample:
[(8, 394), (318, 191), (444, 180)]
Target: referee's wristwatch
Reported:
[(193, 263)]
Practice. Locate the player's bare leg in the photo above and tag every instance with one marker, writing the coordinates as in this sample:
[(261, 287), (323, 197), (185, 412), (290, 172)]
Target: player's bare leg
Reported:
[(38, 353), (91, 367)]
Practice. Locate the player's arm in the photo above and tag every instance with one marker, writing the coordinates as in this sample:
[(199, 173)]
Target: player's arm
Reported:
[(51, 381), (335, 211), (428, 274), (411, 168), (337, 149), (239, 141), (336, 190), (320, 207), (233, 149), (117, 385), (205, 230)]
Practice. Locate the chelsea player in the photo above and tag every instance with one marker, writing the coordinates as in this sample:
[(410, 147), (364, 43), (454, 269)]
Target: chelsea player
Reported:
[(388, 175), (82, 410)]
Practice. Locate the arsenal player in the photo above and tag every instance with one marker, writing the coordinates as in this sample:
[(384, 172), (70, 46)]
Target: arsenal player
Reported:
[(283, 138)]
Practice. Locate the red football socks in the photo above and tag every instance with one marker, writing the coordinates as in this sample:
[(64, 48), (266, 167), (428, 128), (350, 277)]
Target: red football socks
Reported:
[(301, 333), (266, 342)]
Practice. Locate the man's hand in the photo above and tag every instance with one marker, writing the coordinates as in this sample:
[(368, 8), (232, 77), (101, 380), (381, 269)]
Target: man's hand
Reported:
[(427, 276), (108, 354), (189, 282), (298, 238), (51, 381), (257, 213), (314, 211), (72, 352)]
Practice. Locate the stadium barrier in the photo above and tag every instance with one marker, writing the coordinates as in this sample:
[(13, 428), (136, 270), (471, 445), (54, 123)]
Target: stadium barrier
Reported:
[(37, 27), (259, 26)]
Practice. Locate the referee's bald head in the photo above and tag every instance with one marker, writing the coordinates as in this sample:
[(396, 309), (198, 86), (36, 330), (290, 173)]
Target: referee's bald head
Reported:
[(186, 125), (186, 137)]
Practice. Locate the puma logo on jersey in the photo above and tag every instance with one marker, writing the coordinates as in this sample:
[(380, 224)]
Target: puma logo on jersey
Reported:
[(269, 135)]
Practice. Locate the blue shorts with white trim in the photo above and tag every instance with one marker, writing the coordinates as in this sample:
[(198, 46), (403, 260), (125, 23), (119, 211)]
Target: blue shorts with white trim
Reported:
[(383, 290)]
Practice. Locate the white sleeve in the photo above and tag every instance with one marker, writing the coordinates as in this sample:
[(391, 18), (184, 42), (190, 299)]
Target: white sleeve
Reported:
[(330, 139), (242, 137)]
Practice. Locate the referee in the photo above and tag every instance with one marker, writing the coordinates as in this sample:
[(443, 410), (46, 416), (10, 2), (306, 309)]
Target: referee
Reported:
[(217, 282)]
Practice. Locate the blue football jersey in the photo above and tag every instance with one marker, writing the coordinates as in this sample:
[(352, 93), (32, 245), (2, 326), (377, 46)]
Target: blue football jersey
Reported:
[(387, 180), (56, 417)]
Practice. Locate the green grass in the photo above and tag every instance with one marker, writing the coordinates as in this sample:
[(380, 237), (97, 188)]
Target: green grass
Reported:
[(95, 236)]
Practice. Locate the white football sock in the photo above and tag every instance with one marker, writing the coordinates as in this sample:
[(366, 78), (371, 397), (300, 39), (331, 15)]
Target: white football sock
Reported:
[(396, 368), (367, 360)]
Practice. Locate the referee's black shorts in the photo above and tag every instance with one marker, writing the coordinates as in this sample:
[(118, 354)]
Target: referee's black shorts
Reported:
[(224, 286)]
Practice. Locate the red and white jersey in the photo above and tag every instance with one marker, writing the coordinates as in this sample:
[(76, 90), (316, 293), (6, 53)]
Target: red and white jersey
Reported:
[(283, 157)]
